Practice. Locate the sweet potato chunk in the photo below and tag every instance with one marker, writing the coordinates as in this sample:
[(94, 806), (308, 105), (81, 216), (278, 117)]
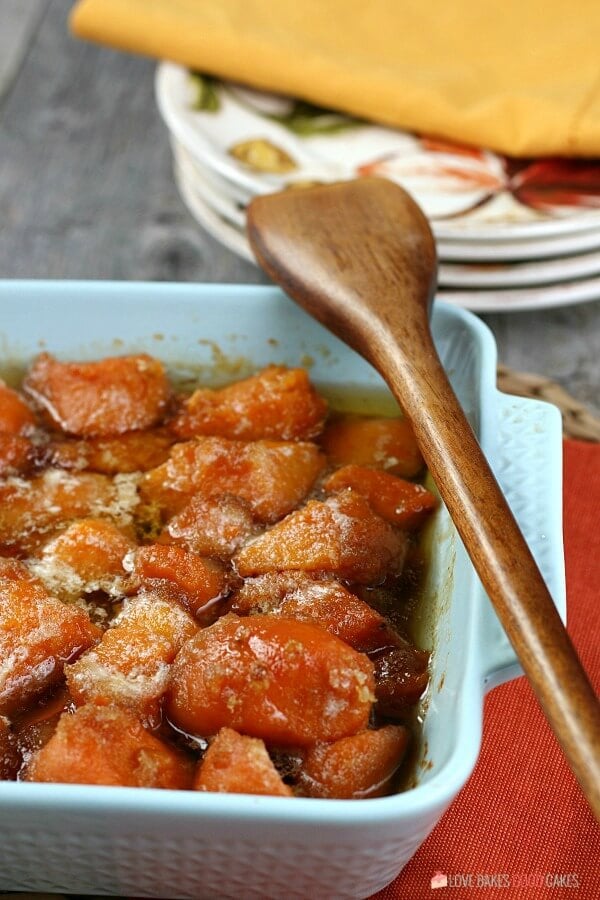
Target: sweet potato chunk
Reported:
[(276, 404), (16, 453), (273, 476), (403, 503), (237, 764), (354, 767), (174, 572), (30, 511), (9, 755), (384, 443), (297, 595), (211, 526), (15, 415), (341, 535), (401, 676), (107, 397), (107, 745), (35, 727), (87, 556), (38, 635), (135, 451), (287, 682), (130, 666)]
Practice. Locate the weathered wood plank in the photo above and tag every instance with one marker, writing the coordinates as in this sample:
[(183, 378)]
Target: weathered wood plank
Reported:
[(86, 186), (86, 191), (563, 344), (19, 21)]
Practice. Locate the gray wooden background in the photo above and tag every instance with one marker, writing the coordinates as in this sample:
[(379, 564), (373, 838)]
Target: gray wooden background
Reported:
[(86, 190)]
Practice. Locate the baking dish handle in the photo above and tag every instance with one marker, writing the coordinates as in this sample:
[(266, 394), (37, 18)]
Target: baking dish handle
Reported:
[(528, 466)]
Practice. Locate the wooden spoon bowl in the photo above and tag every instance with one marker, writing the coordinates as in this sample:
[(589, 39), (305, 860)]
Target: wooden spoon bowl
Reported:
[(360, 257)]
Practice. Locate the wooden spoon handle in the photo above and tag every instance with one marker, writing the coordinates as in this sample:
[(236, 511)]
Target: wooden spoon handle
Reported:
[(502, 559)]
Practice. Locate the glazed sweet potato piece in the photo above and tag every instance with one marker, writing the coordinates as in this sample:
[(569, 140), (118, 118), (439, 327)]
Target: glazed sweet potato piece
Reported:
[(237, 764), (211, 526), (287, 682), (130, 666), (87, 556), (38, 635), (36, 726), (354, 767), (107, 745), (341, 535), (135, 451), (107, 397), (30, 511), (16, 453), (272, 476), (176, 573), (9, 755), (403, 503), (15, 416), (275, 404), (401, 676), (383, 443), (297, 595)]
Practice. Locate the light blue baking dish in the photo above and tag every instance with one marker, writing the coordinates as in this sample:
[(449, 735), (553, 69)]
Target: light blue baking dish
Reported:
[(151, 843)]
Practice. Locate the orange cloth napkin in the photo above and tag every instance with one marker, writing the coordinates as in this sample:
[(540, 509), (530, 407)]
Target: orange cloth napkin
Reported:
[(521, 816), (522, 78)]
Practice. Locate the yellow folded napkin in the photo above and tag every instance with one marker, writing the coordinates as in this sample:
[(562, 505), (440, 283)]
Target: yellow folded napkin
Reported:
[(518, 76)]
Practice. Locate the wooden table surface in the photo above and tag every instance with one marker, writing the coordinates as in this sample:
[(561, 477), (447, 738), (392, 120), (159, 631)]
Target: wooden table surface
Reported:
[(86, 190)]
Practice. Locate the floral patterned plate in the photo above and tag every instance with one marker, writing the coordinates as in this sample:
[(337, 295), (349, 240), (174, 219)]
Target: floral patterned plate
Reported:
[(496, 274), (482, 301), (262, 142)]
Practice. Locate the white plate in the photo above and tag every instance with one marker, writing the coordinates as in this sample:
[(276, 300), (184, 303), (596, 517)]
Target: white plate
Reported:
[(524, 274), (222, 231), (468, 194), (207, 185), (513, 251), (560, 264), (487, 274), (481, 301), (519, 299)]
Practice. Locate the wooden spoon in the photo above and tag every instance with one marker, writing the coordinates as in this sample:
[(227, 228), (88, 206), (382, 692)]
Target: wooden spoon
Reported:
[(359, 256)]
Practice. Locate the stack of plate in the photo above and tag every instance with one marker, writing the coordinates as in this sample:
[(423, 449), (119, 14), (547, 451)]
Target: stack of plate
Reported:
[(510, 234)]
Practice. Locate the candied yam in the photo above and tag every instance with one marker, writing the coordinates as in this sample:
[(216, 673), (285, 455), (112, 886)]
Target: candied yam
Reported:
[(30, 511), (107, 397), (135, 451), (272, 476), (354, 767), (16, 453), (175, 572), (9, 755), (107, 745), (15, 415), (341, 535), (403, 503), (297, 595), (38, 635), (287, 682), (237, 764), (401, 676), (387, 444), (36, 726), (130, 666), (88, 556), (15, 570), (211, 526), (275, 404)]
